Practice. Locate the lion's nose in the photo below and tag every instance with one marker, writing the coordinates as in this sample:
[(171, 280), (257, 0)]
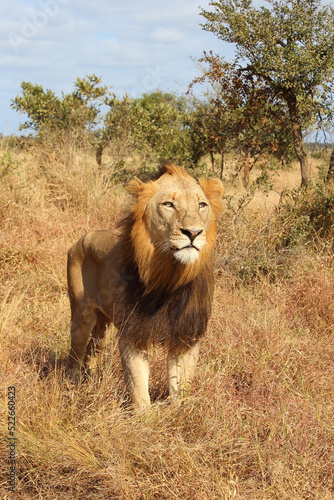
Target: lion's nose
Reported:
[(191, 234)]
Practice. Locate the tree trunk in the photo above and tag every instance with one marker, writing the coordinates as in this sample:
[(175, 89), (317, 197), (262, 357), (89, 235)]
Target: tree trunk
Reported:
[(330, 173), (222, 161), (212, 160), (298, 137), (98, 155), (246, 169)]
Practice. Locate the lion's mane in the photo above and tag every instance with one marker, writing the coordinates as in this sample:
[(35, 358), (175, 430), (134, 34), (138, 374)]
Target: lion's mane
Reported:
[(164, 300)]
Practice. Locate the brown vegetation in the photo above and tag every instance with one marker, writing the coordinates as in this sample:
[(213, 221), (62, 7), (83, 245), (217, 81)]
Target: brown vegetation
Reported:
[(258, 421)]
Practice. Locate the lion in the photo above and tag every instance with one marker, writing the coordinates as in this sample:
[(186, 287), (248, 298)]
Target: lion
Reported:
[(153, 279)]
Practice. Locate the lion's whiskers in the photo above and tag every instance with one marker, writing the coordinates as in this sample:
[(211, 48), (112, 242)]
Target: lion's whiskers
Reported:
[(162, 246)]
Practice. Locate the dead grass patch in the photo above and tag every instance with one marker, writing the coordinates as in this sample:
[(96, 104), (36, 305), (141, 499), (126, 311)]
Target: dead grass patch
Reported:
[(258, 420)]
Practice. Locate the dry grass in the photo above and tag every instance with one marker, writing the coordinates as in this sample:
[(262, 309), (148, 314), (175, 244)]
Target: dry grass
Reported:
[(258, 420)]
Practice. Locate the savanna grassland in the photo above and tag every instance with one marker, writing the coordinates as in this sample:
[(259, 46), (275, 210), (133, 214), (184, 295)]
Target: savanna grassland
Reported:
[(258, 420)]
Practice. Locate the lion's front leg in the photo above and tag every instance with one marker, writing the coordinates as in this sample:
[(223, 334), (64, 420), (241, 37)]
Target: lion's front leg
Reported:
[(135, 364), (181, 367)]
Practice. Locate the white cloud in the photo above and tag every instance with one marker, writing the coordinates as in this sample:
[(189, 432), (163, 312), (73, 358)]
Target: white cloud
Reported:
[(134, 46), (166, 35)]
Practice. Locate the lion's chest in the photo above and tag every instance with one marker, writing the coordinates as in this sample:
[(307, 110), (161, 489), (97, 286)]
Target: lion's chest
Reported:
[(172, 319)]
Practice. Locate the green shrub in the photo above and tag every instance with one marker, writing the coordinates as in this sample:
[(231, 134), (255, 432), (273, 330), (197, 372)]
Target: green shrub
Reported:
[(305, 216)]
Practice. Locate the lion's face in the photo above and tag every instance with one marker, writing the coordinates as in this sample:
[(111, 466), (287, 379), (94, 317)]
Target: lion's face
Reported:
[(173, 231), (179, 215)]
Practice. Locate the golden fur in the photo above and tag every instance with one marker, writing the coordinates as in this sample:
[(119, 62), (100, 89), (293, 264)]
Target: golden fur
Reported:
[(153, 280)]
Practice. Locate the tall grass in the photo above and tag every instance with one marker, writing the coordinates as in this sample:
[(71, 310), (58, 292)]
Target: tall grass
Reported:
[(257, 422)]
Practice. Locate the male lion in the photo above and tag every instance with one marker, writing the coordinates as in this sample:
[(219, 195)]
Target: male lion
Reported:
[(153, 280)]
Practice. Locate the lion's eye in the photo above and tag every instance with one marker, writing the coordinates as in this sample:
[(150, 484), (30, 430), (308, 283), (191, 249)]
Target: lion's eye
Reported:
[(168, 204), (202, 204)]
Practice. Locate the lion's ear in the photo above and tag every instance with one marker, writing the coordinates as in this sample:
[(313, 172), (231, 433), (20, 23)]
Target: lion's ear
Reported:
[(142, 191), (135, 187), (213, 190)]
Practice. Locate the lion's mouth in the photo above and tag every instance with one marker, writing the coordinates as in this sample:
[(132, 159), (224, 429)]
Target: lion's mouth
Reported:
[(174, 249), (186, 255)]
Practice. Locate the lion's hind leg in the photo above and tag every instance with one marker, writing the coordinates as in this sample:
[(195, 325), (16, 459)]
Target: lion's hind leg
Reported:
[(181, 365), (97, 342), (84, 319)]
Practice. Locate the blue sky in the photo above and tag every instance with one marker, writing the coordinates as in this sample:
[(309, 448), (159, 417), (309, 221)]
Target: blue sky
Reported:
[(134, 46)]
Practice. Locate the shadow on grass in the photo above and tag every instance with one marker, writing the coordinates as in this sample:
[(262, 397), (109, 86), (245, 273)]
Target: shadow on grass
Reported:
[(48, 365)]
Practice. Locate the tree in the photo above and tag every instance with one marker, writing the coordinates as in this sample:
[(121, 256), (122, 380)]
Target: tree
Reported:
[(288, 48), (330, 173), (156, 121), (245, 115), (118, 123), (74, 112), (207, 125), (161, 118)]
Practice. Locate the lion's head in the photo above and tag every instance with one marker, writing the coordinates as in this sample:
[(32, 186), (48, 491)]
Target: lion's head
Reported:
[(173, 227)]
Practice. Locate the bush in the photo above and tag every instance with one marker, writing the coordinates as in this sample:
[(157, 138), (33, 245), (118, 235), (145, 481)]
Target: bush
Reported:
[(251, 248), (306, 216)]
